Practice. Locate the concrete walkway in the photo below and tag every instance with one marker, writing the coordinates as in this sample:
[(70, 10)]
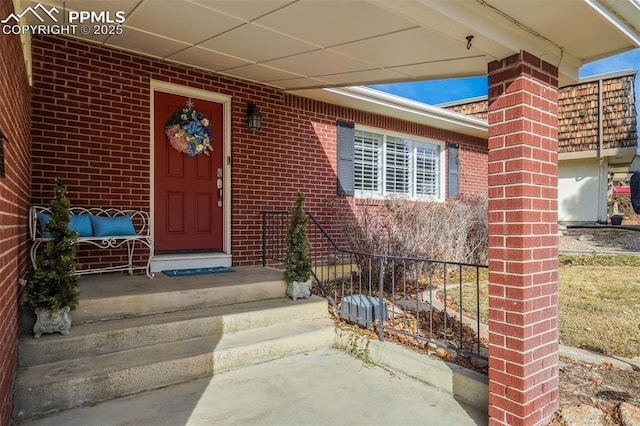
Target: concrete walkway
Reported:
[(325, 387)]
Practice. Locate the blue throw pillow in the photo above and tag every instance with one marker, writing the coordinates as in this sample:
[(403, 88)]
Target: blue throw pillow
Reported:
[(80, 223), (104, 226), (43, 219)]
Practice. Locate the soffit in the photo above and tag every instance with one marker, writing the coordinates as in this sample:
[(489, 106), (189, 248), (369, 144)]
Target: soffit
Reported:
[(304, 44)]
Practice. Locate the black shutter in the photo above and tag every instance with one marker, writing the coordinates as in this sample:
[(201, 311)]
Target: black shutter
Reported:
[(453, 170), (346, 136)]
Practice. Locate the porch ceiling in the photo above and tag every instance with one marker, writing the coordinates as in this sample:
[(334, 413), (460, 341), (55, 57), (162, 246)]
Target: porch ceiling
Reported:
[(303, 44)]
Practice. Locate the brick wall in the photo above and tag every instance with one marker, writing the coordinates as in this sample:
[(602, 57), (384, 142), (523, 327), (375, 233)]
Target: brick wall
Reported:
[(473, 169), (523, 242), (14, 202), (91, 123)]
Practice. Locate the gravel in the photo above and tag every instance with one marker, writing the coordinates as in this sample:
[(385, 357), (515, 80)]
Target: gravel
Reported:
[(599, 240)]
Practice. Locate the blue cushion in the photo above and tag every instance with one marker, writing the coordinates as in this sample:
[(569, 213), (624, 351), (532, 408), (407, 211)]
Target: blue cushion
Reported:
[(43, 219), (80, 223), (104, 226)]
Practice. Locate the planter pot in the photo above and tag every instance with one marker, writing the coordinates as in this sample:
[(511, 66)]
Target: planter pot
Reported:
[(299, 290), (52, 322), (616, 219)]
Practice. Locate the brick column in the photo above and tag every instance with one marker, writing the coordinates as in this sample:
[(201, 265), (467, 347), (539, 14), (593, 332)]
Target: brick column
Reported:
[(523, 241)]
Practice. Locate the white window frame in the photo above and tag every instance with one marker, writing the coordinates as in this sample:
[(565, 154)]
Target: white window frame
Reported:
[(413, 141)]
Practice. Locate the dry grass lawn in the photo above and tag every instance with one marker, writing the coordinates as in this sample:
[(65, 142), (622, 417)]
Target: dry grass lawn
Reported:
[(599, 306)]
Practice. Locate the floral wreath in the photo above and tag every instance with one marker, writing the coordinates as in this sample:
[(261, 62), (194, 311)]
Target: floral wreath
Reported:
[(189, 132)]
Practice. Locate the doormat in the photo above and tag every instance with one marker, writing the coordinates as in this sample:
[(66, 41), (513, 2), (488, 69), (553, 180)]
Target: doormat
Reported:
[(197, 271)]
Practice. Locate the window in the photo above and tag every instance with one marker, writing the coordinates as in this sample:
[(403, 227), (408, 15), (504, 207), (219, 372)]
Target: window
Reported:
[(427, 170), (367, 163), (392, 165)]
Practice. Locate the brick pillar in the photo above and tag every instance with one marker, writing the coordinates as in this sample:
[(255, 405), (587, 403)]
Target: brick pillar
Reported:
[(523, 241)]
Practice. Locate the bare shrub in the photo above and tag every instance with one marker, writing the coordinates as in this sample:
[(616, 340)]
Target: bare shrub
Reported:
[(454, 230)]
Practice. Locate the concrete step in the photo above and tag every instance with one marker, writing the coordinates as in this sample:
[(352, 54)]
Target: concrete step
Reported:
[(131, 334), (101, 337), (65, 384), (104, 306)]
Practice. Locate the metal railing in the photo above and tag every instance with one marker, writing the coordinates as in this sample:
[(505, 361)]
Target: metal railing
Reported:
[(433, 302)]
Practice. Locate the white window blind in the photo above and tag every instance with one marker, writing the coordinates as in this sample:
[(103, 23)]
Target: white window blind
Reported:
[(367, 163), (390, 165), (397, 162), (427, 171)]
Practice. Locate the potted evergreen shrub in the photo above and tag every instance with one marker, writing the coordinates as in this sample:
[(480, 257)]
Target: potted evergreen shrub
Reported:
[(52, 288), (297, 265)]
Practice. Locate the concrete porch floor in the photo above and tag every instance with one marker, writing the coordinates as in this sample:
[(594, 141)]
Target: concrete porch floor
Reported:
[(324, 387), (118, 285), (320, 387), (100, 292)]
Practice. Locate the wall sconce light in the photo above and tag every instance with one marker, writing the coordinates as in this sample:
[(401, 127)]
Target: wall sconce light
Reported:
[(254, 118)]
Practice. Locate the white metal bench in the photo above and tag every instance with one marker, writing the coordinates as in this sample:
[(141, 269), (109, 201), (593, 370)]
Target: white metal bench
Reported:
[(141, 233)]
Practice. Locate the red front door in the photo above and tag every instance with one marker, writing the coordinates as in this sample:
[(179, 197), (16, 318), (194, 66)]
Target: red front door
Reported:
[(187, 190)]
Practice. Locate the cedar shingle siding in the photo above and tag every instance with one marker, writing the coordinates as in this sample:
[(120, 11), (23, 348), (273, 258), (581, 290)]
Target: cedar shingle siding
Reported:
[(578, 114), (477, 109)]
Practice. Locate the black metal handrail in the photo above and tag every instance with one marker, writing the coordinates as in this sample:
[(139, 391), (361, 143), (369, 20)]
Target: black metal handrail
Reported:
[(413, 287)]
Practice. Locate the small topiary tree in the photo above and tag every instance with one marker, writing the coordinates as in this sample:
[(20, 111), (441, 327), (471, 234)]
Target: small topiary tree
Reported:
[(297, 262), (297, 265), (54, 283)]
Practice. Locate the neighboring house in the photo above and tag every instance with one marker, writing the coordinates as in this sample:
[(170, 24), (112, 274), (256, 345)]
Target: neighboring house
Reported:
[(92, 110), (597, 141)]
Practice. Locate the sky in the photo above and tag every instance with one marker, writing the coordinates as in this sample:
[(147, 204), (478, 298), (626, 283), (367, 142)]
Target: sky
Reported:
[(440, 91)]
